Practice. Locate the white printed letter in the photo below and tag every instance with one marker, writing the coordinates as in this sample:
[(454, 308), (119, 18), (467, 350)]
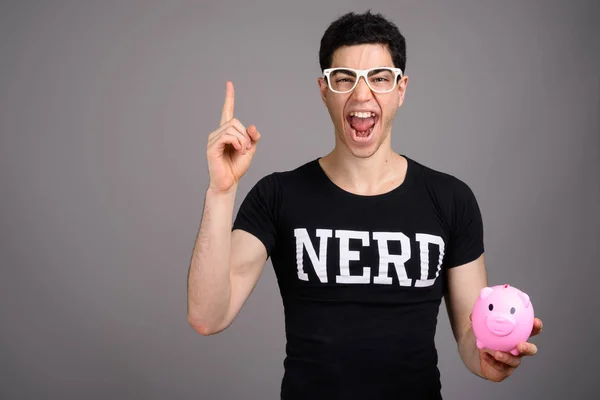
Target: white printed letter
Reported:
[(424, 241), (385, 258), (319, 263), (347, 255)]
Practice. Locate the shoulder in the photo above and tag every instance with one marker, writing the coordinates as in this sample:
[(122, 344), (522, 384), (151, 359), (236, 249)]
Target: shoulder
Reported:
[(280, 179), (440, 183)]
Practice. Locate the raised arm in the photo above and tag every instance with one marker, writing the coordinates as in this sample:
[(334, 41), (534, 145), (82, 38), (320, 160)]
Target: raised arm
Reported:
[(225, 265)]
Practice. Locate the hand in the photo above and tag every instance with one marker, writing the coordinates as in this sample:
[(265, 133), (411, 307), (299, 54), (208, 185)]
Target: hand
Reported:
[(498, 365), (230, 147)]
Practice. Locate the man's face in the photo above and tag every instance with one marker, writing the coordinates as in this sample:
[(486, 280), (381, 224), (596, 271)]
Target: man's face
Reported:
[(382, 105)]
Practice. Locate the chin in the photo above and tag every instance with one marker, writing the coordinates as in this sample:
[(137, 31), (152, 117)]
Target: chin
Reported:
[(362, 150)]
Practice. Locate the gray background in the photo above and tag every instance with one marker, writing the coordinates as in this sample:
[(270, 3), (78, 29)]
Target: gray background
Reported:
[(105, 108)]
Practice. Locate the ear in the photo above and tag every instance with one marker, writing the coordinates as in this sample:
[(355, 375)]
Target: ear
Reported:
[(402, 89), (525, 298), (322, 88), (485, 292)]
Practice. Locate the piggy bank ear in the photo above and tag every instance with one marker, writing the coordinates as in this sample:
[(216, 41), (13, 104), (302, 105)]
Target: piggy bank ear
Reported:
[(525, 298), (485, 292)]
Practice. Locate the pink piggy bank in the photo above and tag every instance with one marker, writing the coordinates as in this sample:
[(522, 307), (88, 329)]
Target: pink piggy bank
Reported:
[(502, 318)]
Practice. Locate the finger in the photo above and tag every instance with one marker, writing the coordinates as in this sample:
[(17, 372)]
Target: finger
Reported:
[(234, 134), (507, 359), (497, 365), (227, 113), (241, 129), (527, 349), (253, 132), (235, 128), (486, 350), (232, 122), (225, 139), (537, 327)]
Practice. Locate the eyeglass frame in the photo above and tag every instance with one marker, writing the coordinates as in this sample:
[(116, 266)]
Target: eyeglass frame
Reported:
[(361, 72)]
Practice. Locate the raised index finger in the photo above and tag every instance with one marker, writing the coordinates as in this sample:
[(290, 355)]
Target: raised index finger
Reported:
[(227, 114)]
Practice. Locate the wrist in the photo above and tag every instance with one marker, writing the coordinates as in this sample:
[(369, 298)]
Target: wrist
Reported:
[(214, 192), (469, 353)]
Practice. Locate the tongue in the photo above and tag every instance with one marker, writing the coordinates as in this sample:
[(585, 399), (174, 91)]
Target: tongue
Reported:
[(362, 124)]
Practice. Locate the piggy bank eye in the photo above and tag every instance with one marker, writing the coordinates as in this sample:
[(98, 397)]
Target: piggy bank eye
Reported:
[(491, 307), (512, 310)]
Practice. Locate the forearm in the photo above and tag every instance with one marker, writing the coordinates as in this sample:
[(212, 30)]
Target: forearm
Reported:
[(209, 286), (468, 351)]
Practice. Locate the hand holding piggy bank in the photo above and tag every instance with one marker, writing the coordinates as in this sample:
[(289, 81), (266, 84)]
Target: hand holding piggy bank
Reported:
[(502, 318)]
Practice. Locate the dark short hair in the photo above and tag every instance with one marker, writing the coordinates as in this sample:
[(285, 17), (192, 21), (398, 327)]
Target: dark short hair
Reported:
[(367, 28)]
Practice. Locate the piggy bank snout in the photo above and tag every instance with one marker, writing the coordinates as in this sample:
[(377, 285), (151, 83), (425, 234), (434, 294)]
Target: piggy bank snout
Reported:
[(500, 324)]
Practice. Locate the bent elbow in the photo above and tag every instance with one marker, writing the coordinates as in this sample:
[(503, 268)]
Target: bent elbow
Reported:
[(203, 328)]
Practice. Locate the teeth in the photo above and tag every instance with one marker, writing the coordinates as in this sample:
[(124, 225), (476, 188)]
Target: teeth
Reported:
[(361, 114)]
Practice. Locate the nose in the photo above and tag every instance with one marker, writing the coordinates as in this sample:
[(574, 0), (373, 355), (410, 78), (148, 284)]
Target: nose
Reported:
[(362, 92)]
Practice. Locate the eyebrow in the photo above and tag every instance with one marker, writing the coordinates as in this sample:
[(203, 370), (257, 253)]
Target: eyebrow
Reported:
[(378, 68), (342, 69)]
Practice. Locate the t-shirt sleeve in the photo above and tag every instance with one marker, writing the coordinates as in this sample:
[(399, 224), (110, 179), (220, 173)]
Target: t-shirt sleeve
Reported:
[(466, 231), (258, 212)]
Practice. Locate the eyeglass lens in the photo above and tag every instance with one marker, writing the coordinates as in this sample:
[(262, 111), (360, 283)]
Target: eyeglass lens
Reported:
[(379, 80)]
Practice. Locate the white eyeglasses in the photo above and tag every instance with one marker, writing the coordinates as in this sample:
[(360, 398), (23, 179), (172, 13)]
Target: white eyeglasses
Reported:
[(379, 79)]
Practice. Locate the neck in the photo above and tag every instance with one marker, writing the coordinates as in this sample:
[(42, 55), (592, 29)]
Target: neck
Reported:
[(376, 174)]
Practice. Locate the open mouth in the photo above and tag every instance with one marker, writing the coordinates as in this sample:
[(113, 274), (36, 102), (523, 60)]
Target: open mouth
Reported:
[(362, 124)]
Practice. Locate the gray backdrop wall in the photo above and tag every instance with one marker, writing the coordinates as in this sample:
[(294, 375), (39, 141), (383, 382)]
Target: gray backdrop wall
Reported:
[(105, 108)]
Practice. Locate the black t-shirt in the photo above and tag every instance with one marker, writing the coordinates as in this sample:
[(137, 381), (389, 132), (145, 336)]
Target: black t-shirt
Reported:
[(362, 277)]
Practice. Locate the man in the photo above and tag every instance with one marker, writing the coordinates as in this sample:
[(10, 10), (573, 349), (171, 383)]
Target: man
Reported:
[(364, 242)]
